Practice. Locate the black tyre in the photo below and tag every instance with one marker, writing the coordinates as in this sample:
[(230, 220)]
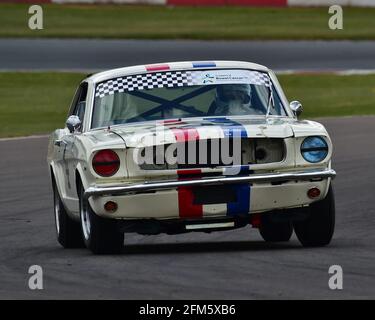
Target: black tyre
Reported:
[(317, 230), (68, 231), (276, 231), (100, 235)]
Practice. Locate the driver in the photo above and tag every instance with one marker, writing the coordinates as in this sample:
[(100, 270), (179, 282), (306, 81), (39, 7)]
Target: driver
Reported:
[(232, 99)]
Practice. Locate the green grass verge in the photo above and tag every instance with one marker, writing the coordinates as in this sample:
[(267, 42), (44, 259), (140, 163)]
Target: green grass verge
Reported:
[(158, 22), (331, 95), (37, 103)]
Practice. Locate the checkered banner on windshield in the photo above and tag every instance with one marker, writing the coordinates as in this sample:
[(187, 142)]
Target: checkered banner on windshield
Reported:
[(173, 79)]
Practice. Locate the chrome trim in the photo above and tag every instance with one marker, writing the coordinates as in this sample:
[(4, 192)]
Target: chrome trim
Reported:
[(172, 184), (296, 107), (200, 226)]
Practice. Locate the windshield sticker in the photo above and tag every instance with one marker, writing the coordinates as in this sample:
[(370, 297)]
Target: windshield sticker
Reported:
[(180, 79), (230, 77)]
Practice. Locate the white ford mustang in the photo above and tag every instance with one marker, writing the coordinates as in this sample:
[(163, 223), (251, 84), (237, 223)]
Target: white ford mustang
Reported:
[(189, 146)]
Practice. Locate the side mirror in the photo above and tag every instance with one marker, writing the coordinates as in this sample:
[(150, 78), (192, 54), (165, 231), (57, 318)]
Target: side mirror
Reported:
[(73, 124), (296, 107)]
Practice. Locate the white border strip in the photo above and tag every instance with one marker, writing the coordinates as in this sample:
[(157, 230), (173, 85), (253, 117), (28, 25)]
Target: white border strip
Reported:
[(290, 3), (349, 72), (25, 137), (321, 3)]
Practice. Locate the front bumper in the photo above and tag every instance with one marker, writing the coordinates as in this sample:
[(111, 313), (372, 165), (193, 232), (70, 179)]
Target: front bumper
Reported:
[(209, 224), (147, 186)]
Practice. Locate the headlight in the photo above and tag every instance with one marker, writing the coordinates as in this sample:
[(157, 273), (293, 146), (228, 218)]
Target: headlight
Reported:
[(314, 149)]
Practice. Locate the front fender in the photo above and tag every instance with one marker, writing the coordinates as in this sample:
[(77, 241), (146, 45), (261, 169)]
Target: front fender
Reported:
[(81, 176)]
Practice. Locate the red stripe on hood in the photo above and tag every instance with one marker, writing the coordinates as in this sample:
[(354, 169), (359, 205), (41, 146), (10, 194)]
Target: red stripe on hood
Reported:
[(185, 134)]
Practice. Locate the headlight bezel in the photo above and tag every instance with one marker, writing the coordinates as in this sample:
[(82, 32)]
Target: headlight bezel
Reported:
[(317, 149)]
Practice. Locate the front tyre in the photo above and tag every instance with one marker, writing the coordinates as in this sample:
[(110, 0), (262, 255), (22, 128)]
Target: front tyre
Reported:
[(317, 230), (100, 235), (276, 231), (68, 231)]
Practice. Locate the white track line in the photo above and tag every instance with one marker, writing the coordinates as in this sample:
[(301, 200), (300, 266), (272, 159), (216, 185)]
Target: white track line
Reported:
[(348, 72), (24, 138)]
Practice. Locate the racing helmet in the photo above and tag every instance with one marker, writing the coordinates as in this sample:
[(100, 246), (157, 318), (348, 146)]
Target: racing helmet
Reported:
[(233, 98)]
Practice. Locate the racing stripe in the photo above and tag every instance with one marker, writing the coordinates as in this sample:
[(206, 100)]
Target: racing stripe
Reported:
[(186, 206), (243, 190), (157, 67), (242, 206), (204, 64), (185, 134), (229, 126)]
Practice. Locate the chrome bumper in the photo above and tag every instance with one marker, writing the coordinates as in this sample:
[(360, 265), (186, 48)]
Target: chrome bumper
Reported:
[(173, 184)]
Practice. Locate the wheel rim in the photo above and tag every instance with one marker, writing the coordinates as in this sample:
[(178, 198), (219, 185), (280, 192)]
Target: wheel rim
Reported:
[(57, 212), (85, 221)]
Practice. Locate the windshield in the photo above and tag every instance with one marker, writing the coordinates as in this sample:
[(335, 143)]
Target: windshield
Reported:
[(184, 94)]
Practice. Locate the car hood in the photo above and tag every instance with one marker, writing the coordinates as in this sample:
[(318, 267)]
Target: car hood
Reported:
[(155, 133)]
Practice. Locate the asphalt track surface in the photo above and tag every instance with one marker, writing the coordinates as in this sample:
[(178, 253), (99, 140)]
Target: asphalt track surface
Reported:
[(230, 265), (92, 55)]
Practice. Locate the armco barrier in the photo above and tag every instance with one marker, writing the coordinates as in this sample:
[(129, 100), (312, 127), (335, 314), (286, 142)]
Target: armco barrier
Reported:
[(263, 3), (314, 3), (26, 1)]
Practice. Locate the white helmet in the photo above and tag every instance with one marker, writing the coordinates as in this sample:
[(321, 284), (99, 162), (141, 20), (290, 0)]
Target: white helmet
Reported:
[(233, 99)]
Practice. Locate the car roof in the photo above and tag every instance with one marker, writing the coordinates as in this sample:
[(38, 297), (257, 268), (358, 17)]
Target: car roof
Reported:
[(173, 66)]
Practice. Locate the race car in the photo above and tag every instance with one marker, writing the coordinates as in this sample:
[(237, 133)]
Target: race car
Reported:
[(189, 146)]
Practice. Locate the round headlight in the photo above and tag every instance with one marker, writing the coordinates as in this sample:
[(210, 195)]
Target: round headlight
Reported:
[(314, 149)]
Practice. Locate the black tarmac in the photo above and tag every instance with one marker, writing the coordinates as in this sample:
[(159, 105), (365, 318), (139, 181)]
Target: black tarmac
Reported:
[(230, 265)]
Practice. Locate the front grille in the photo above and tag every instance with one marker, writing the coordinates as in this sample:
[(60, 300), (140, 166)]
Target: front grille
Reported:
[(214, 153)]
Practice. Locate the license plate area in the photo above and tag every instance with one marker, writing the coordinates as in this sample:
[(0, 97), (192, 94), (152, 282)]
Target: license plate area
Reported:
[(214, 195)]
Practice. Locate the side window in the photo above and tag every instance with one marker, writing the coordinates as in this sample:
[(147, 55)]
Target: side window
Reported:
[(80, 111), (79, 102)]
